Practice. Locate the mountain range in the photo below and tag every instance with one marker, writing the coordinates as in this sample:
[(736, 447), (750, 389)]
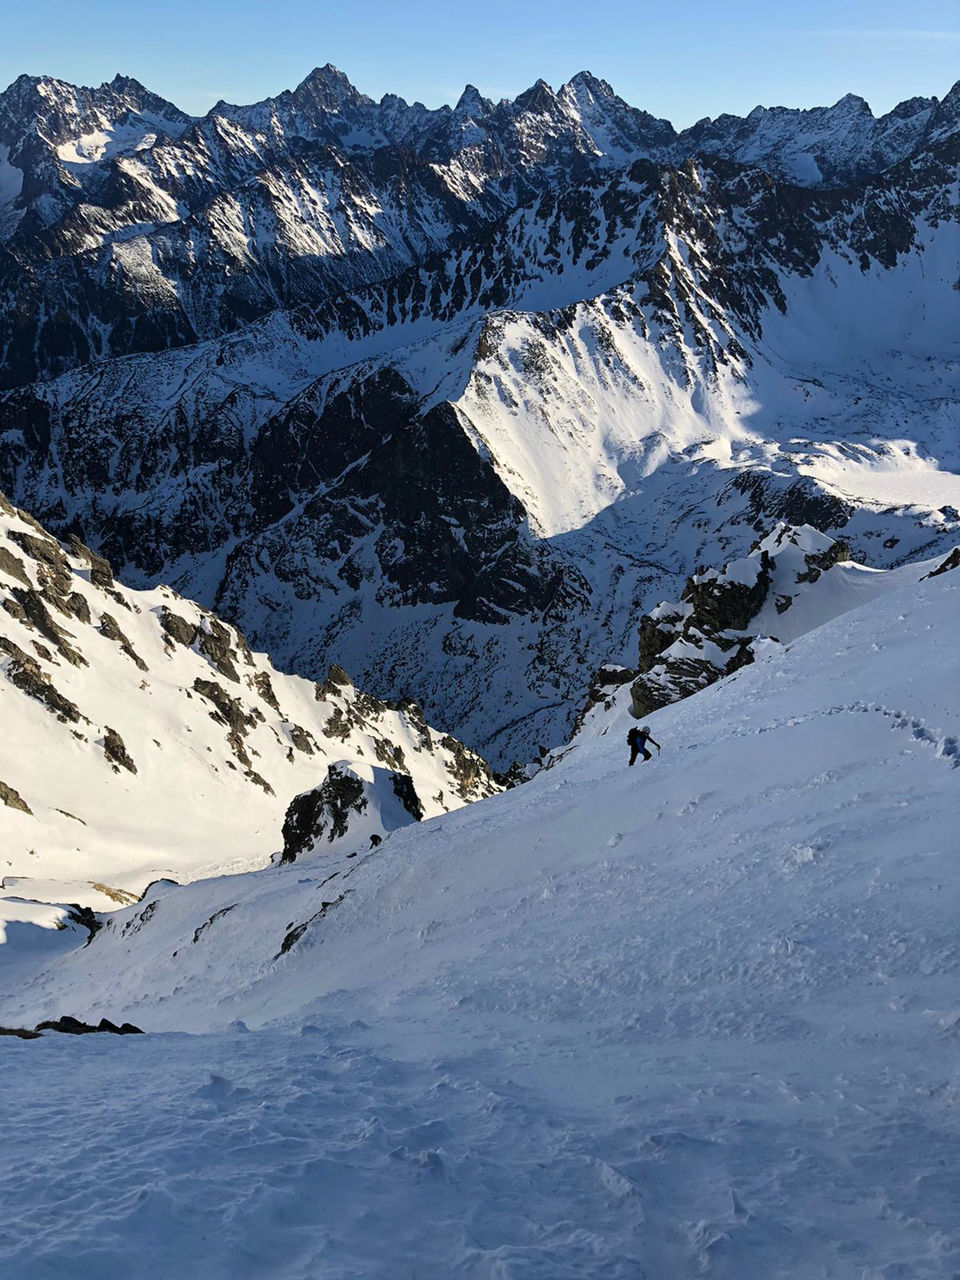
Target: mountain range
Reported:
[(452, 397), (368, 473)]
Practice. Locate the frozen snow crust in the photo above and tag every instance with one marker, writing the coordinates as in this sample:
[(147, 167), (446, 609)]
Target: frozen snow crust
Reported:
[(697, 1017)]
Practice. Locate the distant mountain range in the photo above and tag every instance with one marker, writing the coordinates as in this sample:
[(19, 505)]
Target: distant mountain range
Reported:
[(451, 397)]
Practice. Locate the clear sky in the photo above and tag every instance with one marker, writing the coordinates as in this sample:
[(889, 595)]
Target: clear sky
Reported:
[(678, 60)]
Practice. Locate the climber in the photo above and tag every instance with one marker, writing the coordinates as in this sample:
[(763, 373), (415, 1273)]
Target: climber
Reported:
[(637, 740)]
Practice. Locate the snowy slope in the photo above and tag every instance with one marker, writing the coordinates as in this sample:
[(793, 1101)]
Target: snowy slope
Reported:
[(143, 739), (692, 1018)]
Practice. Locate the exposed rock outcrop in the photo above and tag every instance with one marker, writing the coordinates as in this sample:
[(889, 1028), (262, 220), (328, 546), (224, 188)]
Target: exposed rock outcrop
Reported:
[(952, 561), (67, 1025), (714, 630), (26, 674), (13, 799), (190, 724), (116, 752), (322, 813), (352, 804)]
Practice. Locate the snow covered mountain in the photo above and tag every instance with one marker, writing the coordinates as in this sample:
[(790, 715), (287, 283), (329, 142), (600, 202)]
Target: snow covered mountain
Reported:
[(697, 1017), (453, 397), (128, 226), (457, 401), (143, 739)]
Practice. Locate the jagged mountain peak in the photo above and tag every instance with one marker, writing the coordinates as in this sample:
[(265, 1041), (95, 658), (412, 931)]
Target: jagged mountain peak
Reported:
[(328, 88), (945, 117), (335, 276), (127, 84), (79, 124), (539, 98), (593, 84), (851, 102), (910, 106), (472, 103), (33, 91)]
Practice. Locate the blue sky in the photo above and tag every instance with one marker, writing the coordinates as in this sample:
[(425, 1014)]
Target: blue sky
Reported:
[(682, 61)]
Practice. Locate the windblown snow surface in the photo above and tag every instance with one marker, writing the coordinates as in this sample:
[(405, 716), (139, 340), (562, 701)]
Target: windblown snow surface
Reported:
[(697, 1017)]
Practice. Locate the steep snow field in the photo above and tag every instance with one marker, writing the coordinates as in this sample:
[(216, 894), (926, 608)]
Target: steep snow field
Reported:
[(697, 1017), (142, 738)]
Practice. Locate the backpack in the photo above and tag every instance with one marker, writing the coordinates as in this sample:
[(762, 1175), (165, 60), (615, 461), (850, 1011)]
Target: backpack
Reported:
[(633, 737)]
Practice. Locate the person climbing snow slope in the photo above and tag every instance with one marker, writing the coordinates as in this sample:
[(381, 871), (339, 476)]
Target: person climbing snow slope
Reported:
[(637, 740)]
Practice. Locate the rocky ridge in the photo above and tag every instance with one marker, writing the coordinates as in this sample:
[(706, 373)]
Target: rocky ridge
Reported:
[(793, 580), (129, 226)]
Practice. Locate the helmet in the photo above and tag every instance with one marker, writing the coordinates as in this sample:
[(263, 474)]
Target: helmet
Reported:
[(645, 729)]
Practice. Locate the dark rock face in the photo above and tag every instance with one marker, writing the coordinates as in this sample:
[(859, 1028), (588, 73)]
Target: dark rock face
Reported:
[(719, 605), (38, 615), (13, 567), (711, 633), (447, 529), (74, 1027), (86, 917), (214, 643), (229, 711), (323, 812), (116, 752), (406, 793), (177, 628), (468, 771), (952, 561), (797, 503), (819, 562), (27, 674), (296, 932), (13, 799), (101, 574), (264, 688), (110, 628), (712, 608), (211, 920)]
